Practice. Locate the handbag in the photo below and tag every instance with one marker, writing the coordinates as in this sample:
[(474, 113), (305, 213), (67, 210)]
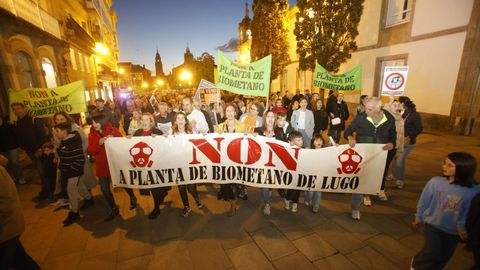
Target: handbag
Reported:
[(336, 121)]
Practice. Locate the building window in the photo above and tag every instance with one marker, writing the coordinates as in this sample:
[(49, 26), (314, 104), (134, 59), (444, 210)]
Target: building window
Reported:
[(73, 60), (25, 70), (80, 61), (388, 62), (47, 67), (87, 63), (398, 12)]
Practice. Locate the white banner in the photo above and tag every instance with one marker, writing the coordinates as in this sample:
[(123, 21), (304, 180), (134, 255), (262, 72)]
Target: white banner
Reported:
[(147, 162), (394, 80)]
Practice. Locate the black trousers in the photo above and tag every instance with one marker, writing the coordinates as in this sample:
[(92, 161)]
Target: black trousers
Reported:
[(390, 156), (13, 255), (159, 195), (438, 249), (293, 195), (192, 189)]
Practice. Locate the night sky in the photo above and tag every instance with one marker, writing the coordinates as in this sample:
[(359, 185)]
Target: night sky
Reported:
[(171, 24)]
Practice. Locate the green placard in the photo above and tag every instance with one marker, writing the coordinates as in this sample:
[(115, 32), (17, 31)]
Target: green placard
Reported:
[(351, 80), (45, 102), (250, 79)]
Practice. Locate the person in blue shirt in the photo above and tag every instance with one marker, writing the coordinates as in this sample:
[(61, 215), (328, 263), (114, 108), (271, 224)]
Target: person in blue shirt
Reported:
[(443, 208)]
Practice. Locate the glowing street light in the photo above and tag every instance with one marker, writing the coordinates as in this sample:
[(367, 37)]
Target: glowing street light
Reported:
[(101, 49), (145, 85), (185, 75), (160, 82), (121, 71)]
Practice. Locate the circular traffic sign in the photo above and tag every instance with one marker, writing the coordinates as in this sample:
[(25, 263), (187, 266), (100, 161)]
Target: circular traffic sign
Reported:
[(394, 81)]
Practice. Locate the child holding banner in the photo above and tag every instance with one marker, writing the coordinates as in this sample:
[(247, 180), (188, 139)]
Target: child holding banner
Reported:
[(313, 197), (295, 138), (443, 208)]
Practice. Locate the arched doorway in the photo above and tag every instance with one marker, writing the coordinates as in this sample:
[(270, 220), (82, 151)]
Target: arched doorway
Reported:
[(47, 67), (3, 89), (25, 70)]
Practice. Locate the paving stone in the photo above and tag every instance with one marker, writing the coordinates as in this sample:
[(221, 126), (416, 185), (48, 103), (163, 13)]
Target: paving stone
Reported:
[(100, 245), (105, 261), (358, 228), (216, 259), (70, 239), (133, 244), (171, 254), (368, 259), (294, 261), (273, 243), (142, 262), (249, 257), (296, 232), (338, 237), (68, 261), (337, 261), (314, 247), (392, 250), (387, 224)]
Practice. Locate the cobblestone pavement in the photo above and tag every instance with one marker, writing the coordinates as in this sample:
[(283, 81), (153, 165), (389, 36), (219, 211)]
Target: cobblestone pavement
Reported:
[(208, 239)]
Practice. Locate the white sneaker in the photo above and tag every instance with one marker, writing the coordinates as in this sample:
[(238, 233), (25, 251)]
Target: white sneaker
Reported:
[(367, 201), (389, 177), (266, 210), (382, 196), (60, 203), (400, 184), (21, 181), (287, 204), (307, 203), (356, 214), (294, 207)]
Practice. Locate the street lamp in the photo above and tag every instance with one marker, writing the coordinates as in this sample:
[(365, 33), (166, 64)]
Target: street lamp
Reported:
[(101, 49), (185, 75), (121, 71), (160, 82), (145, 85)]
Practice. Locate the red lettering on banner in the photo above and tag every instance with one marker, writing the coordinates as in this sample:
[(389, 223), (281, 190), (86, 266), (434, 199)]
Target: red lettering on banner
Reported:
[(283, 154), (207, 149), (234, 151)]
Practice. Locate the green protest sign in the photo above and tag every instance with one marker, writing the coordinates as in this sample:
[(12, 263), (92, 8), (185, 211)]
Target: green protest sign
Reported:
[(250, 79), (351, 80), (45, 102)]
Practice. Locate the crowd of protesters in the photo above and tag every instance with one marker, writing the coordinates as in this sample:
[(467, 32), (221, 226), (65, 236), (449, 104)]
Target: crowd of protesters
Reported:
[(62, 154)]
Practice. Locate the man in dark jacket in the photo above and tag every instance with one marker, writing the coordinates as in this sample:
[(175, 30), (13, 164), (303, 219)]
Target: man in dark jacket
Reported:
[(31, 134), (9, 148), (102, 109), (375, 126)]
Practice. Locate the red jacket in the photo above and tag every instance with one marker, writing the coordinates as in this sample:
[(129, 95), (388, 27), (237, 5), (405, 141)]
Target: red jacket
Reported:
[(97, 150)]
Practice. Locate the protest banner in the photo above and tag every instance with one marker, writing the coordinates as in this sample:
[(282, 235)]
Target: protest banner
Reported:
[(148, 162), (394, 80), (351, 80), (45, 102), (251, 79), (207, 93)]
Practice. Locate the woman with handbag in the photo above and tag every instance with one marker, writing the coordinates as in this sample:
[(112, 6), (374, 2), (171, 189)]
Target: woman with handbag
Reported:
[(338, 113)]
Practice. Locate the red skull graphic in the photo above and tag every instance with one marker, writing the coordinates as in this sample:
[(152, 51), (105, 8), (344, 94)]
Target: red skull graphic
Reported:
[(141, 153), (350, 159)]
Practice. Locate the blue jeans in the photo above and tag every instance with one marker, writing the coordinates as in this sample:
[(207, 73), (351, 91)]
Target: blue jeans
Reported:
[(14, 163), (356, 201), (313, 197), (107, 191), (399, 169), (265, 195), (439, 248)]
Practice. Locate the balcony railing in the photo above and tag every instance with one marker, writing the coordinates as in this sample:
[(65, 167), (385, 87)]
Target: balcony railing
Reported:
[(32, 13)]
